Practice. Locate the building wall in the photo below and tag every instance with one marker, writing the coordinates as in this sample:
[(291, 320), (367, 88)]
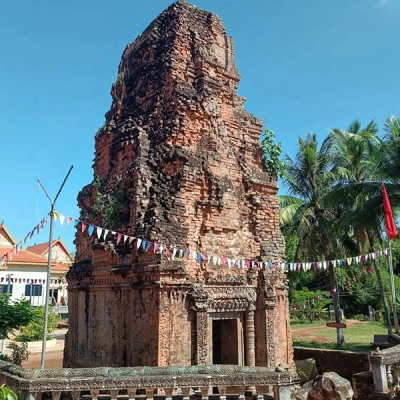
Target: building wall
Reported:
[(28, 273), (58, 255)]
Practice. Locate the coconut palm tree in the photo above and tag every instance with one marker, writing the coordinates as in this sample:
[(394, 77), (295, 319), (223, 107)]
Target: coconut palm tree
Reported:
[(356, 161), (309, 179)]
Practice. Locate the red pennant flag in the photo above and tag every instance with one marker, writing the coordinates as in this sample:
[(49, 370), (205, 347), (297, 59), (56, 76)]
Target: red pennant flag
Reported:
[(389, 221), (83, 227)]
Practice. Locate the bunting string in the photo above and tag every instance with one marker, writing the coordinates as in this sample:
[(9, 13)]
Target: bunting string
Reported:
[(32, 281), (215, 260), (7, 257)]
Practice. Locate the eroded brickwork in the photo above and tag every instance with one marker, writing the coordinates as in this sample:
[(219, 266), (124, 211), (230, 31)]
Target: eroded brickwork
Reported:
[(177, 162)]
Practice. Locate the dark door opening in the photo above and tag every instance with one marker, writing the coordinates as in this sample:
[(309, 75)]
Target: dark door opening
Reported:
[(225, 346)]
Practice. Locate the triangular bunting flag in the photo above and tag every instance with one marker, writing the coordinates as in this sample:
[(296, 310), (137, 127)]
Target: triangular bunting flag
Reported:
[(90, 230)]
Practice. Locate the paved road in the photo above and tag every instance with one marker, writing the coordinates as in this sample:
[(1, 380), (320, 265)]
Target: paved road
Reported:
[(54, 355)]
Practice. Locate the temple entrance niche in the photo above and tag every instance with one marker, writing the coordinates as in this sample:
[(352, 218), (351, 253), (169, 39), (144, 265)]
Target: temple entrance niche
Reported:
[(227, 338)]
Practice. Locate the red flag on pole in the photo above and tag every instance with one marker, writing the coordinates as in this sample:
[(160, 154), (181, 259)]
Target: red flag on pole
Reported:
[(389, 221)]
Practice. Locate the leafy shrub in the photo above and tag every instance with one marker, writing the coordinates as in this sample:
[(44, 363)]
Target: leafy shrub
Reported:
[(361, 317), (7, 394), (19, 353), (5, 357), (13, 314), (34, 330)]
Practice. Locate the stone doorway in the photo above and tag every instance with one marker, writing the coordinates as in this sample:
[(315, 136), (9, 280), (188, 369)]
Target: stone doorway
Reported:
[(227, 344)]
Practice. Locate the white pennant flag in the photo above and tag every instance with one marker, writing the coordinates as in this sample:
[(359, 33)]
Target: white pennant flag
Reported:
[(219, 261), (215, 259), (209, 259), (138, 243), (125, 238), (349, 261), (131, 239), (62, 219), (229, 262), (161, 248), (174, 252), (105, 233), (99, 231)]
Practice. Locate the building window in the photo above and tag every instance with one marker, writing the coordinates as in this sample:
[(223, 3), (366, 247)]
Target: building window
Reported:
[(33, 290), (4, 288)]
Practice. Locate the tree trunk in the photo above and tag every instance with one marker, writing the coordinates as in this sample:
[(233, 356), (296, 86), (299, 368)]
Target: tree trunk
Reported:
[(381, 286), (336, 304)]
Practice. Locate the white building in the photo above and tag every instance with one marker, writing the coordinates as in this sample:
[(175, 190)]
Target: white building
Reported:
[(24, 272)]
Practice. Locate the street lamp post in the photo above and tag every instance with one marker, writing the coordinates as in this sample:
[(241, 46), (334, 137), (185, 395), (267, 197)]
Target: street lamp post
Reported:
[(46, 312)]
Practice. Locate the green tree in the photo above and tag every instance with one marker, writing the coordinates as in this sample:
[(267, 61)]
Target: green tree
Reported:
[(13, 314), (355, 155), (272, 151), (33, 331), (309, 180)]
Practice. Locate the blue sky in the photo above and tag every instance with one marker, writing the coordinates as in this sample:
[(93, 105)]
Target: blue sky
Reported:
[(306, 66)]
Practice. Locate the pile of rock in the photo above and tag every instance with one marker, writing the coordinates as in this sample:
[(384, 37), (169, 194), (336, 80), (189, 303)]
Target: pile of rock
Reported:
[(327, 386)]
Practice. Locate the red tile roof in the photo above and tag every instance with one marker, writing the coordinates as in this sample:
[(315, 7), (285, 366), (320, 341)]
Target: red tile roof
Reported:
[(23, 256), (43, 248), (40, 248)]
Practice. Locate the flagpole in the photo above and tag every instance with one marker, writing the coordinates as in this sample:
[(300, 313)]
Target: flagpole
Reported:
[(49, 260), (393, 290)]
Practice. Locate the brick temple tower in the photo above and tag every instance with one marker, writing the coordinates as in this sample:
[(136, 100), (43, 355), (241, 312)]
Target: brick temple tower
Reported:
[(178, 163)]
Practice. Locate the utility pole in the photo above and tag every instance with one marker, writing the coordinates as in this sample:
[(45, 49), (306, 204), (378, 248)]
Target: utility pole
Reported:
[(46, 312), (393, 292), (8, 279)]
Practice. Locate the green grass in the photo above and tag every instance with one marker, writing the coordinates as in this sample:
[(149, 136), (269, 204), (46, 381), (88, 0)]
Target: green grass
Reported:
[(358, 337)]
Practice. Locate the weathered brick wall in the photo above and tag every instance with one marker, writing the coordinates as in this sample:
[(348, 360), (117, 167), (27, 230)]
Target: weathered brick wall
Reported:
[(177, 162)]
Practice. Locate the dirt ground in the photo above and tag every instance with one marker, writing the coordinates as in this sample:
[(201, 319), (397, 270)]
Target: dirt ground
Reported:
[(309, 333), (54, 355)]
